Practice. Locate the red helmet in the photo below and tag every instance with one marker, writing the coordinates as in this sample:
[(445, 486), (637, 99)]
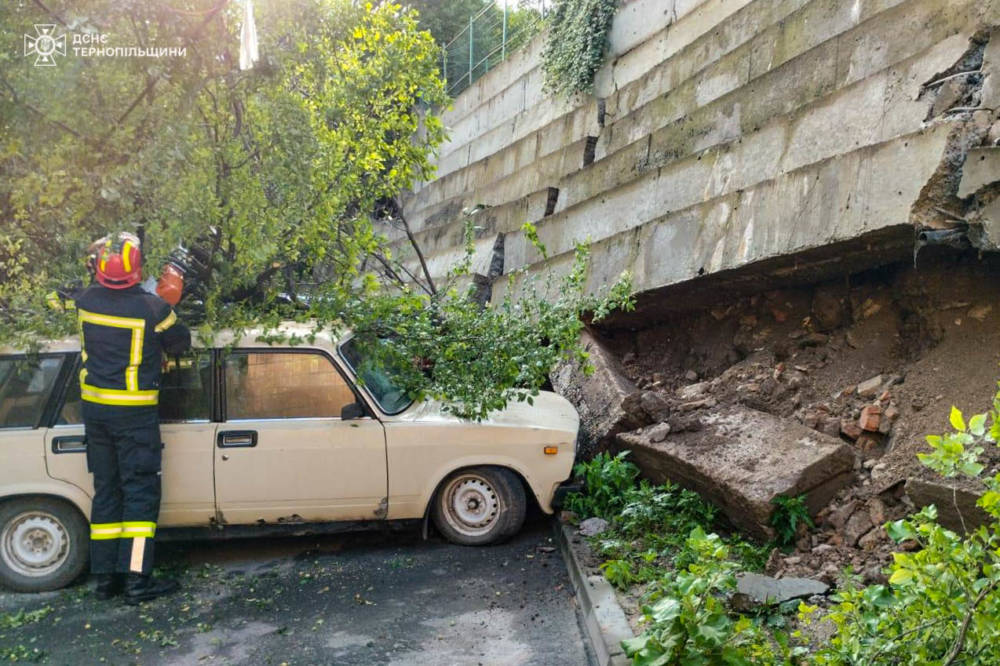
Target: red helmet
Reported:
[(119, 261)]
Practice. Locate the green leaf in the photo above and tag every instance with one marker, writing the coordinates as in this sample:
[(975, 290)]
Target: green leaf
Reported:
[(956, 420), (977, 425)]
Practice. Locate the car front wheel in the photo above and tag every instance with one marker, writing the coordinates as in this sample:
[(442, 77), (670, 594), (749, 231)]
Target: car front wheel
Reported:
[(43, 544), (479, 506)]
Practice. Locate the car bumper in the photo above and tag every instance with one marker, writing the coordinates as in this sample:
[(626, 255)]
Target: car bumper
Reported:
[(563, 490)]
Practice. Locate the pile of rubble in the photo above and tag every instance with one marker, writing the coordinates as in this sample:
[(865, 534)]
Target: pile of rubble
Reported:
[(825, 391)]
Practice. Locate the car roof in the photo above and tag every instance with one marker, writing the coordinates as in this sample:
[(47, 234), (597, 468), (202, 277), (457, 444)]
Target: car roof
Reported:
[(297, 334)]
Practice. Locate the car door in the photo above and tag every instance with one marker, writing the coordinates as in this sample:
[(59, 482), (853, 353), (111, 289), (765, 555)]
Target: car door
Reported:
[(283, 453), (27, 386), (187, 431)]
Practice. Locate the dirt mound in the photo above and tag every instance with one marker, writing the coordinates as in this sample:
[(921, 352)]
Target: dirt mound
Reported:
[(875, 359)]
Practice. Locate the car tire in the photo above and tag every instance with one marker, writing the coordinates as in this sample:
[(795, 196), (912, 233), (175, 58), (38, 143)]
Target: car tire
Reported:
[(44, 544), (479, 506)]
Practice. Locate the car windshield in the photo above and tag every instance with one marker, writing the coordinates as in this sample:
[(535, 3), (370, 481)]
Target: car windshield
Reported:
[(390, 398)]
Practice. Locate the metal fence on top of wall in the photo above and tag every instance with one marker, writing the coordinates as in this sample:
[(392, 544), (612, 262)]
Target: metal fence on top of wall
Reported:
[(491, 36)]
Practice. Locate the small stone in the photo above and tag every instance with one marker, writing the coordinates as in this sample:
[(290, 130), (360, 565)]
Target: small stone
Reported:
[(705, 403), (691, 376), (870, 540), (593, 526), (869, 388), (868, 445), (839, 517), (659, 432), (767, 590), (850, 429), (857, 526), (870, 417), (830, 426), (884, 397), (655, 405), (629, 358), (891, 413), (980, 312), (876, 509), (693, 391)]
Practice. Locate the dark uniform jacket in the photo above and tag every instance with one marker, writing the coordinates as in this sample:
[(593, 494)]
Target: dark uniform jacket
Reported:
[(124, 335)]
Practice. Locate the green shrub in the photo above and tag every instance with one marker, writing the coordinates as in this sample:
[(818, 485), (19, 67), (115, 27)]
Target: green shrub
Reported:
[(607, 480), (789, 513)]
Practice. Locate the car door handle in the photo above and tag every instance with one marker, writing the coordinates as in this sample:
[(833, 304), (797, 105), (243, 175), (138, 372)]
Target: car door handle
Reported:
[(236, 439), (69, 444)]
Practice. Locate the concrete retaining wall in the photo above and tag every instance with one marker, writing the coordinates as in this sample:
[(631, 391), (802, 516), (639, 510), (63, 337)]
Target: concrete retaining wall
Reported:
[(726, 133)]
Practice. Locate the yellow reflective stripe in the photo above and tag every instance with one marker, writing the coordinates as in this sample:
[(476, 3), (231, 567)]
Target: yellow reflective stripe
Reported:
[(83, 355), (138, 328), (110, 320), (132, 371), (166, 323), (103, 531), (105, 396), (125, 261), (133, 529)]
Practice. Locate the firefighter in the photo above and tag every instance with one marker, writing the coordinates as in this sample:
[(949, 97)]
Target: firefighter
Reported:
[(124, 331)]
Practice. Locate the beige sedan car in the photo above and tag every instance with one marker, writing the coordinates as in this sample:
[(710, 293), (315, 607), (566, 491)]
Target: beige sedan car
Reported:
[(259, 437)]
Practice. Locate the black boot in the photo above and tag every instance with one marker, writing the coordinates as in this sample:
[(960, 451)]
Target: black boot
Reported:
[(109, 585), (139, 588)]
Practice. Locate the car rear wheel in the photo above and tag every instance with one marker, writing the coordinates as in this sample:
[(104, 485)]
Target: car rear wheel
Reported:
[(479, 506), (43, 544)]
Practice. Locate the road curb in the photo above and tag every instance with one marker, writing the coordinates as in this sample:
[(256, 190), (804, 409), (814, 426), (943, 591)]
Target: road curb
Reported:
[(604, 620)]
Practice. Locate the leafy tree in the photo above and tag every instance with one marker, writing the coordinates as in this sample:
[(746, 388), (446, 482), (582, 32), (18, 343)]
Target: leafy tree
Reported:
[(446, 18), (286, 177)]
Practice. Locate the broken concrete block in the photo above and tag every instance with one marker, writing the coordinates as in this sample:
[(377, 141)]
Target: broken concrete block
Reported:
[(597, 397), (766, 590), (870, 417), (741, 459), (982, 167), (957, 509), (870, 388)]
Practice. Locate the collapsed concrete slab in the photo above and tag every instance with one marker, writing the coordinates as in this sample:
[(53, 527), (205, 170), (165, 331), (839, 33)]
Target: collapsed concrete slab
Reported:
[(957, 508), (598, 397), (741, 459)]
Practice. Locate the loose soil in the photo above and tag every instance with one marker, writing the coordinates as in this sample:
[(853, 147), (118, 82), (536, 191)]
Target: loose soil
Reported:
[(931, 333)]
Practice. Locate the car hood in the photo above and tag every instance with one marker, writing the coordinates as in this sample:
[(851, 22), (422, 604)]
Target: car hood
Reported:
[(548, 411)]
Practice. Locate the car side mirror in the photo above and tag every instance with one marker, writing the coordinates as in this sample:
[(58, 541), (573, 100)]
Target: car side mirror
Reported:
[(351, 411)]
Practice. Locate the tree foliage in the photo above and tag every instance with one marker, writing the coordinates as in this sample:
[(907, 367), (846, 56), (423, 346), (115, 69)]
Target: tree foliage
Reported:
[(287, 177)]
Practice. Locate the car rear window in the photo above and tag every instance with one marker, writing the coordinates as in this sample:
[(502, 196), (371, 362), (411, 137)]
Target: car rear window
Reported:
[(25, 386)]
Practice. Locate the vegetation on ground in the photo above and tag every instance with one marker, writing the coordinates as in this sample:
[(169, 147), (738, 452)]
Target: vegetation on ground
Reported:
[(940, 607)]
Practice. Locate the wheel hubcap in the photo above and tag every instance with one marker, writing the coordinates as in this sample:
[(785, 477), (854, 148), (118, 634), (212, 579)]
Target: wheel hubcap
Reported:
[(473, 506), (34, 544)]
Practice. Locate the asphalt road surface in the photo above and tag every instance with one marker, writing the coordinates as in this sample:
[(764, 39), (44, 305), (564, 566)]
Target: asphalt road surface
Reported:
[(365, 598)]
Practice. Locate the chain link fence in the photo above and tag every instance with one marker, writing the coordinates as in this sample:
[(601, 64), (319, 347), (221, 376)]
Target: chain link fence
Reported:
[(491, 36)]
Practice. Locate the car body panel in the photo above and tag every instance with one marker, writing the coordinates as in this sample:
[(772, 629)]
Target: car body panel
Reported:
[(23, 470), (308, 470), (302, 470)]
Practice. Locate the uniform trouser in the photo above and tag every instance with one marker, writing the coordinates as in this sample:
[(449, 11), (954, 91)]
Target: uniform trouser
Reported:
[(124, 454)]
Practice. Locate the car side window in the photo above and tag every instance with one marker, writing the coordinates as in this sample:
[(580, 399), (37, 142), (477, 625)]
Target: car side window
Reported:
[(25, 386), (185, 391), (186, 388), (284, 385)]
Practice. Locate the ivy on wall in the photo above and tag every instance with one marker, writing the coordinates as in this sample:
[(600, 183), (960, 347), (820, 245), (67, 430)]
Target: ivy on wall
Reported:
[(574, 50)]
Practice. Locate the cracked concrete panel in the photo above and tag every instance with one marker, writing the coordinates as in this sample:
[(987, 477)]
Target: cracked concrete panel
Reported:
[(982, 167)]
